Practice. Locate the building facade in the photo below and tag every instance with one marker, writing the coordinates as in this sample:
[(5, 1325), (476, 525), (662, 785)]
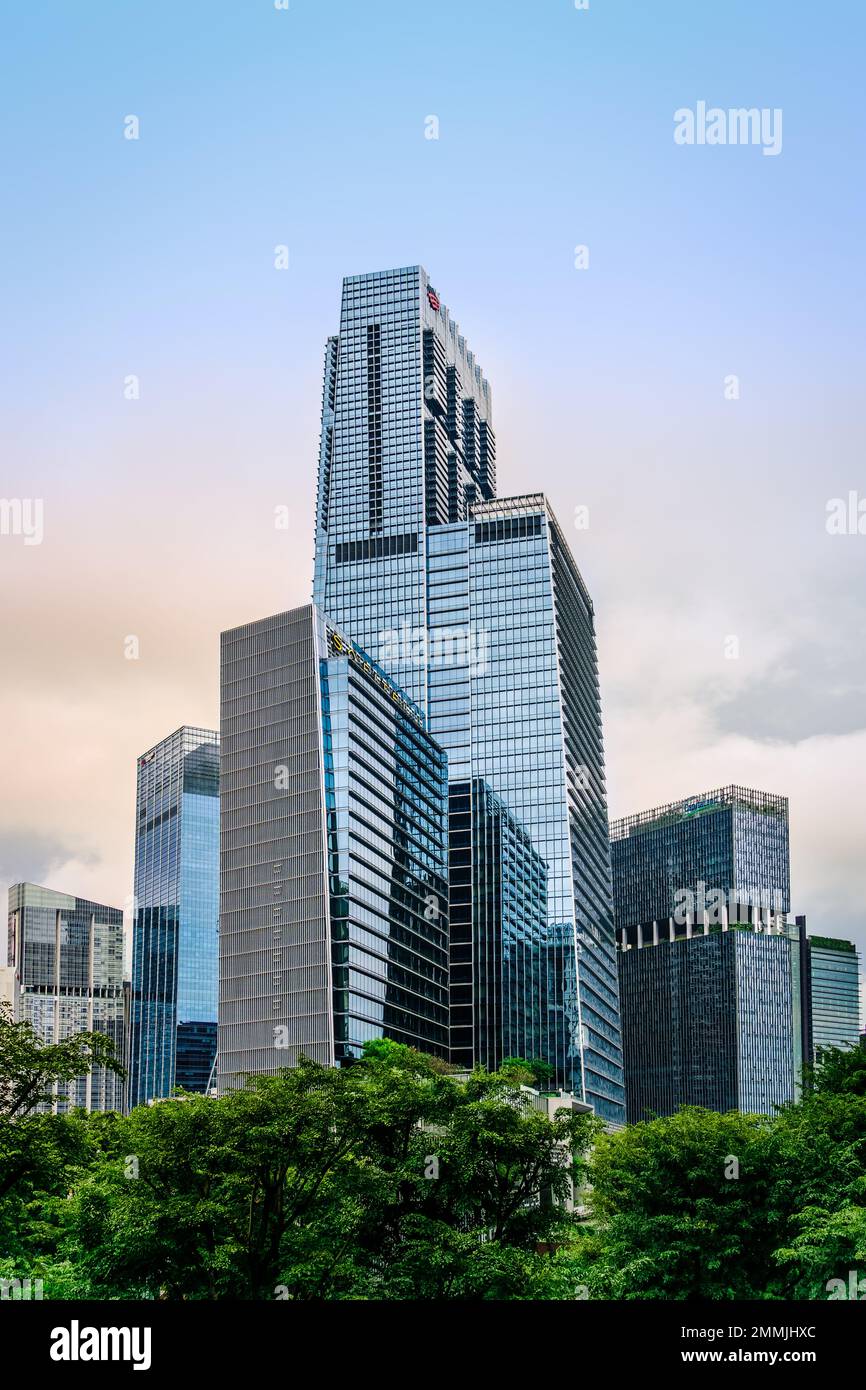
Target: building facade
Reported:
[(476, 608), (686, 877), (834, 968), (334, 893), (175, 956), (407, 442), (707, 1020), (498, 919), (67, 957), (720, 856)]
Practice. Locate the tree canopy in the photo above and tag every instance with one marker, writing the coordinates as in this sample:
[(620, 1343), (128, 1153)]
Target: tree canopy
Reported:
[(394, 1179)]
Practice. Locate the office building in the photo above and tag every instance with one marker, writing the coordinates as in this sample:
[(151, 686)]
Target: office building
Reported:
[(475, 607), (834, 967), (686, 877), (334, 895), (175, 957), (407, 442), (718, 857), (67, 957)]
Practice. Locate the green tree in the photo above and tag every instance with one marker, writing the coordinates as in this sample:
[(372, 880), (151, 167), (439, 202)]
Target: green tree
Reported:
[(385, 1179), (39, 1153)]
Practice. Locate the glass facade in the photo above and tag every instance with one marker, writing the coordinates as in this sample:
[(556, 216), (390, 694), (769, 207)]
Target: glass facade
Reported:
[(173, 1002), (707, 1021), (476, 608), (407, 442), (676, 859), (834, 969), (334, 925), (498, 919), (711, 972), (67, 955)]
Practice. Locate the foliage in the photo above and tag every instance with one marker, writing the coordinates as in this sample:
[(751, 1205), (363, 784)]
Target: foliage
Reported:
[(392, 1179)]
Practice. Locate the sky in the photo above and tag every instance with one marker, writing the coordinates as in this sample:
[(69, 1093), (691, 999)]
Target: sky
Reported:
[(692, 378)]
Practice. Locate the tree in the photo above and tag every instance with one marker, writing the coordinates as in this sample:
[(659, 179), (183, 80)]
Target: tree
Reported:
[(30, 1069), (39, 1153), (678, 1206), (385, 1179)]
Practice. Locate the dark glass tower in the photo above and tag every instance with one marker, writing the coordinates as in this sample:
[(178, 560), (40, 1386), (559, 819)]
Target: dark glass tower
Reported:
[(476, 607), (707, 1020), (498, 932), (834, 977), (711, 972), (334, 896), (173, 1003), (67, 955), (723, 851)]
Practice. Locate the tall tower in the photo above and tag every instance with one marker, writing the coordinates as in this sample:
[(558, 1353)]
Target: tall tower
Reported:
[(173, 1004), (407, 443), (476, 608)]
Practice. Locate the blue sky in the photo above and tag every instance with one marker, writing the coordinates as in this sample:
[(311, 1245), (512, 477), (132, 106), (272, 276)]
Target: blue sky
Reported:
[(261, 127)]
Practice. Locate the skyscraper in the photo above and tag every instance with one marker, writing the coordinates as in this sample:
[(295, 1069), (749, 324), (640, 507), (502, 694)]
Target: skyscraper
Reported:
[(334, 897), (407, 442), (67, 956), (711, 1014), (475, 607), (173, 1003), (834, 970)]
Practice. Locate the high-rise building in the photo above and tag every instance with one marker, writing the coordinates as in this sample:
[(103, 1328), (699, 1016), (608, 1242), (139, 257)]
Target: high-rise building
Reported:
[(67, 957), (334, 896), (407, 442), (175, 956), (708, 1020), (686, 876), (476, 608), (834, 976)]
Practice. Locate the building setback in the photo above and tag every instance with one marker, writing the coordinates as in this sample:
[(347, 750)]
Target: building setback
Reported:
[(173, 996), (67, 957), (334, 895), (476, 607)]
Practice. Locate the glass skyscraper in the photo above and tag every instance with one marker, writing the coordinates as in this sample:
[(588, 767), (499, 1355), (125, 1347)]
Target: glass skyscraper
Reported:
[(475, 607), (173, 999), (834, 972), (334, 895), (67, 957), (712, 987)]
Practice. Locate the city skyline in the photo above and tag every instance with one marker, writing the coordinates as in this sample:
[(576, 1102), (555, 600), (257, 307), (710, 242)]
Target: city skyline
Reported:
[(623, 383)]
